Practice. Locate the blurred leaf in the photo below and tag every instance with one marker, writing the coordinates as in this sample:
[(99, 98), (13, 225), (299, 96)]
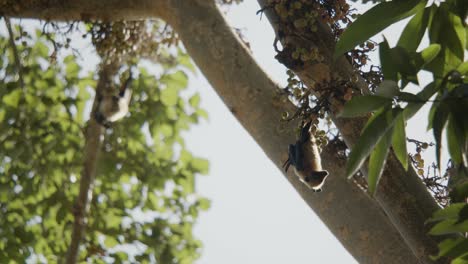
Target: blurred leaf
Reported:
[(387, 89), (194, 101), (460, 192), (204, 204), (453, 247), (202, 113), (12, 99), (41, 49), (40, 163), (169, 96), (450, 212), (176, 80), (361, 105), (200, 165), (185, 60), (449, 226), (463, 68), (375, 20), (71, 67), (110, 242)]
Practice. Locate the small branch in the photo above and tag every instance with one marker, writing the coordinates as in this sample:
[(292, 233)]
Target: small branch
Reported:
[(88, 175), (15, 52)]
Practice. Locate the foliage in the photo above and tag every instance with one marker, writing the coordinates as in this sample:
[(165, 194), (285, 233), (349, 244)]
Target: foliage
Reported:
[(145, 203), (444, 59)]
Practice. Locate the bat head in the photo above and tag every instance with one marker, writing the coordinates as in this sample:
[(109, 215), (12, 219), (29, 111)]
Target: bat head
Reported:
[(315, 179)]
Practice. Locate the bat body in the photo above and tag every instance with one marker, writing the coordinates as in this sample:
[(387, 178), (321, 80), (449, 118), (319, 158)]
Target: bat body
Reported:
[(113, 107), (305, 157)]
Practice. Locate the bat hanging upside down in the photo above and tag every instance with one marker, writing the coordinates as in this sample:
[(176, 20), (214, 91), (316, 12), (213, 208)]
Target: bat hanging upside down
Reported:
[(305, 157)]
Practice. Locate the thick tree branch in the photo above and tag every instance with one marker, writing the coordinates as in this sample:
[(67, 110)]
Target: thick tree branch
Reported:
[(253, 98), (84, 10), (401, 194)]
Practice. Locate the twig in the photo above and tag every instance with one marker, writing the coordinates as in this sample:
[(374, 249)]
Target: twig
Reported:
[(15, 52)]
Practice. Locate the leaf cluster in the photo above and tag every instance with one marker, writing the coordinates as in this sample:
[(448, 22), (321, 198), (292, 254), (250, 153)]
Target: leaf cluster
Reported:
[(144, 195), (392, 106)]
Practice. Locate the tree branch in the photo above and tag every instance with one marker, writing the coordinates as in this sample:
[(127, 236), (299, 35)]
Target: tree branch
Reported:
[(15, 53), (401, 194), (94, 132), (253, 98), (84, 10)]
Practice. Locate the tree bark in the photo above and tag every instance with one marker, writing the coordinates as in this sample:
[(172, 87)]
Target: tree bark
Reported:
[(84, 10), (356, 220)]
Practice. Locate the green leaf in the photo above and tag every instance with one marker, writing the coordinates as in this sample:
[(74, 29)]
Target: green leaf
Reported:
[(450, 212), (399, 140), (449, 226), (200, 165), (414, 30), (447, 30), (41, 49), (387, 89), (452, 247), (409, 97), (404, 61), (185, 60), (110, 242), (455, 139), (375, 129), (361, 105), (177, 80), (413, 107), (427, 55), (71, 67), (204, 204), (460, 192), (375, 20), (194, 101), (377, 161), (438, 123), (463, 68), (12, 99), (169, 96), (389, 70), (202, 113), (461, 260)]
